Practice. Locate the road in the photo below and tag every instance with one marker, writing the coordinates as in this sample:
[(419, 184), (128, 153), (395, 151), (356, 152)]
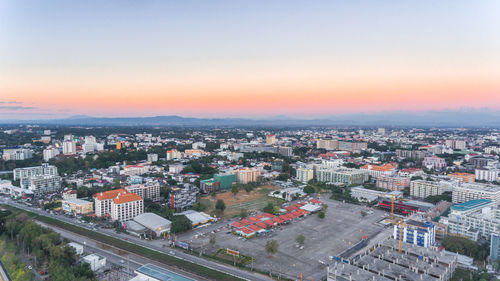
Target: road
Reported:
[(243, 274)]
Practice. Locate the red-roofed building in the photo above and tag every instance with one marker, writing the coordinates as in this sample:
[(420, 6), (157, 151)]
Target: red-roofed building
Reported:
[(261, 224), (245, 232), (314, 201), (253, 219), (126, 207), (270, 223), (268, 215), (245, 222), (255, 227), (237, 224)]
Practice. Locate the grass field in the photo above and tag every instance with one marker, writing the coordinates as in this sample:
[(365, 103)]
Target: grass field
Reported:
[(250, 201)]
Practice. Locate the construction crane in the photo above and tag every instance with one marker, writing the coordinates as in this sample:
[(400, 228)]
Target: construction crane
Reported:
[(400, 225), (392, 208)]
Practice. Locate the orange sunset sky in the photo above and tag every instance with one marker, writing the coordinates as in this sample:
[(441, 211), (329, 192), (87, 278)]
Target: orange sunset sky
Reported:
[(227, 58)]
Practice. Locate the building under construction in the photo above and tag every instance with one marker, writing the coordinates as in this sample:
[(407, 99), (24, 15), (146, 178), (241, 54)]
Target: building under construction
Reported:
[(384, 261)]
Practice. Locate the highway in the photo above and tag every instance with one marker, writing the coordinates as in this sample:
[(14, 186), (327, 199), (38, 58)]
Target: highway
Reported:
[(243, 274)]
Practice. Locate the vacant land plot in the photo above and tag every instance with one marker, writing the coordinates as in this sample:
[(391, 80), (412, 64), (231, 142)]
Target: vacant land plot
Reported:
[(343, 227), (250, 201)]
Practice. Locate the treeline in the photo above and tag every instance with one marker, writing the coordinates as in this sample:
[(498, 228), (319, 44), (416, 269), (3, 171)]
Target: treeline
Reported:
[(434, 199), (45, 247), (466, 247), (69, 165)]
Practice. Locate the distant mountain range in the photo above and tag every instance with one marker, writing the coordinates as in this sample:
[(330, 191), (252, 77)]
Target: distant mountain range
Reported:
[(460, 118)]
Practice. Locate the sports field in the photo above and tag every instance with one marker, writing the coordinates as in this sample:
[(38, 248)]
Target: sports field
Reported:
[(250, 201)]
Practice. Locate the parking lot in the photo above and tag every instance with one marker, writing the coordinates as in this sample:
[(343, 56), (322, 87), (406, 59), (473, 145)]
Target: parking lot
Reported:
[(342, 227)]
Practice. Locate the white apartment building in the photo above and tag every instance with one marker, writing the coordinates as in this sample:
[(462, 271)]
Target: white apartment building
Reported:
[(150, 190), (44, 184), (175, 169), (304, 174), (50, 153), (69, 147), (152, 157), (126, 206), (487, 173), (345, 176), (103, 201), (480, 221), (473, 191), (17, 154), (24, 174), (423, 188), (173, 154)]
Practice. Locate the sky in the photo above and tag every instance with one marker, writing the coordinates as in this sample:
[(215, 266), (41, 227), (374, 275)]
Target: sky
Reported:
[(246, 58)]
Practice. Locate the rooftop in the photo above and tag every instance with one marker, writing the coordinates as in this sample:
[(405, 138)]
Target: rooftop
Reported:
[(109, 194), (470, 205), (159, 273), (127, 197)]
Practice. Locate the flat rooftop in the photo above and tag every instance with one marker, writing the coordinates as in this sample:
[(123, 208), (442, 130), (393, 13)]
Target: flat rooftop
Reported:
[(161, 274)]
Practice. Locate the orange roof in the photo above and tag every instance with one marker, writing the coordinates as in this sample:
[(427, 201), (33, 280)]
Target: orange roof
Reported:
[(109, 194), (385, 167), (128, 197)]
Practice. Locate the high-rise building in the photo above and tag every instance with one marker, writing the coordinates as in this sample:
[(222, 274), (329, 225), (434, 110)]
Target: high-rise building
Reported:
[(183, 197), (49, 153), (304, 174), (17, 154), (327, 144), (422, 234), (487, 173), (434, 162), (473, 219), (495, 246), (456, 144), (126, 206), (173, 154), (392, 182), (120, 204), (246, 175), (44, 184), (346, 176), (149, 190), (423, 188), (354, 147), (152, 157), (271, 139), (69, 147), (25, 174)]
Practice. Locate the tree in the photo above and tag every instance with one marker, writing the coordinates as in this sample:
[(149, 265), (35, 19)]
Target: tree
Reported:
[(321, 215), (243, 213), (272, 247), (309, 189), (269, 208), (220, 205), (300, 239), (212, 239), (363, 214), (235, 189), (180, 224)]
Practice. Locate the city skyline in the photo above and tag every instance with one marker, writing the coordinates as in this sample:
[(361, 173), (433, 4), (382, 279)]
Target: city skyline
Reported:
[(228, 59)]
